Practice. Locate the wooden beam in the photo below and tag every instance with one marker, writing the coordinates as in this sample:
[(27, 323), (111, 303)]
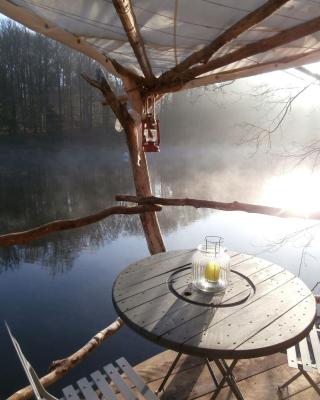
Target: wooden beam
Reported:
[(217, 205), (47, 28), (61, 367), (228, 35), (127, 73), (261, 46), (128, 19), (64, 224), (251, 70)]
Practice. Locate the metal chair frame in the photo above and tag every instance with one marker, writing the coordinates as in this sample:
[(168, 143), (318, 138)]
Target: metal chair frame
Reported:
[(305, 356), (93, 388)]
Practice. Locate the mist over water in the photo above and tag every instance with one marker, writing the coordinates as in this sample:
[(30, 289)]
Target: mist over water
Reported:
[(56, 292)]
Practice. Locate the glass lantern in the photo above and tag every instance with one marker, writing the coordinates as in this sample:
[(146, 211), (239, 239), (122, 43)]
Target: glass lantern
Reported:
[(211, 266)]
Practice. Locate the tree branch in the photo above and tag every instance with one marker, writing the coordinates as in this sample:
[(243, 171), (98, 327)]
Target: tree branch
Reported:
[(61, 225), (128, 19), (306, 71), (262, 134), (119, 109), (61, 367), (261, 46), (126, 72), (234, 206), (227, 36)]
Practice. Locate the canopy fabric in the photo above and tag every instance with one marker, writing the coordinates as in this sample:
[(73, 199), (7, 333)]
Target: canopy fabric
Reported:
[(172, 30)]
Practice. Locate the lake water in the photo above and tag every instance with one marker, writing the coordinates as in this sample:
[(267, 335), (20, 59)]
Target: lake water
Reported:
[(55, 293)]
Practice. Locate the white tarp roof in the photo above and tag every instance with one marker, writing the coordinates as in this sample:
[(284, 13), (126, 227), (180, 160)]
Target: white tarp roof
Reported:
[(171, 29)]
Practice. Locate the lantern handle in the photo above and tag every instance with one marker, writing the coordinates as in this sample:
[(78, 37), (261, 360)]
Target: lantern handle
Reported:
[(149, 106), (217, 243), (153, 107)]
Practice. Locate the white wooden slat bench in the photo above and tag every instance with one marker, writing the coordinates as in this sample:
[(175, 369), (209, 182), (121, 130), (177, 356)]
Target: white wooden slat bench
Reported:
[(97, 387), (305, 356)]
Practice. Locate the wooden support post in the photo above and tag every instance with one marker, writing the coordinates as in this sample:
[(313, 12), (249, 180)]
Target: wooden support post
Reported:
[(140, 172), (141, 179), (138, 160)]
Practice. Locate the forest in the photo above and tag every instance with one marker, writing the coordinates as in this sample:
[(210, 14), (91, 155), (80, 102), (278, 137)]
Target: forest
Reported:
[(42, 93), (41, 89)]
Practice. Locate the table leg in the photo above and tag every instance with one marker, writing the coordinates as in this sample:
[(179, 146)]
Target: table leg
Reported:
[(228, 376), (225, 369), (224, 373), (230, 373), (212, 373), (168, 373), (226, 366)]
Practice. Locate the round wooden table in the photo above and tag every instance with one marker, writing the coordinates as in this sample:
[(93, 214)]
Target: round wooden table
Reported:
[(278, 314)]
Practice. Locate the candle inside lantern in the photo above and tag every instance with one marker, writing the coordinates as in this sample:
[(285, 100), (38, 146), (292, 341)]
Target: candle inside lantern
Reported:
[(212, 272)]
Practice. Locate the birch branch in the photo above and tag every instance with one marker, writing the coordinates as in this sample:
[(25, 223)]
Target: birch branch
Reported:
[(61, 367), (234, 206), (127, 17), (10, 239)]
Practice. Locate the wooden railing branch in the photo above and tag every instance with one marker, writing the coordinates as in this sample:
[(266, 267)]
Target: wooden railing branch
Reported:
[(128, 19), (251, 49), (234, 206), (204, 54), (61, 225), (60, 368)]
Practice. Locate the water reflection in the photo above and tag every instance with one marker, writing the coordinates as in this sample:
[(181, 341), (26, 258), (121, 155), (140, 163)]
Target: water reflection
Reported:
[(43, 184), (54, 317)]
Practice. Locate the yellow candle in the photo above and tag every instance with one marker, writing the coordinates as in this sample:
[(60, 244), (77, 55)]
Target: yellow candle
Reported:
[(212, 272)]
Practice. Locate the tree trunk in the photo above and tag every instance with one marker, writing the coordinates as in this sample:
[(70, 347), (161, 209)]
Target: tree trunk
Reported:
[(140, 173)]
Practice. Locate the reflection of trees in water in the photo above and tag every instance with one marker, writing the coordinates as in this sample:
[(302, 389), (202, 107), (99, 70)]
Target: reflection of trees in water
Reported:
[(41, 186), (173, 218), (59, 250)]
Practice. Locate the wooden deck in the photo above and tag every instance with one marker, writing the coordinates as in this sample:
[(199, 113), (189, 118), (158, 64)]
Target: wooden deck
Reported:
[(258, 378)]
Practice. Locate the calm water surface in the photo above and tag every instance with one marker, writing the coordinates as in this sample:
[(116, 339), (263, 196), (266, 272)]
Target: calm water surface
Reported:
[(56, 293)]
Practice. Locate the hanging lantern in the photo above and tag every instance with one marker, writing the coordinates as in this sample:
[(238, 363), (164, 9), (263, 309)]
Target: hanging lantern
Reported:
[(211, 266), (150, 128)]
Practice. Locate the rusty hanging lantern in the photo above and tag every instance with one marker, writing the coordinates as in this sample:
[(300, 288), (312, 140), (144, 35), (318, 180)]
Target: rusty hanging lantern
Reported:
[(150, 128)]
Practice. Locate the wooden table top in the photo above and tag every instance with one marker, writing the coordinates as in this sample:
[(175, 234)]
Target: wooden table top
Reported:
[(279, 314)]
